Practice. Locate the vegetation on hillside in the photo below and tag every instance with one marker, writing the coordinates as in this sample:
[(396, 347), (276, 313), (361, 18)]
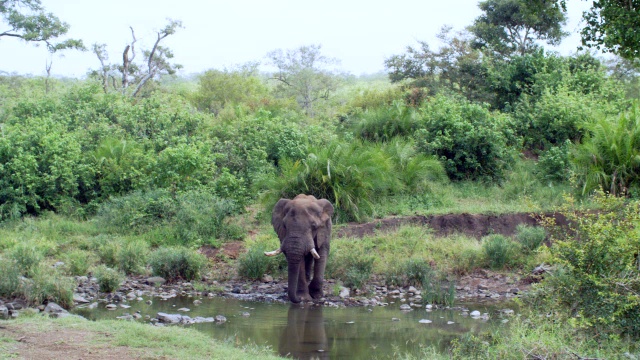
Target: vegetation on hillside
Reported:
[(118, 181)]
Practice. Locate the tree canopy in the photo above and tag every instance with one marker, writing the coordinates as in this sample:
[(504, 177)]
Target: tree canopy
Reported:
[(28, 20), (512, 26), (612, 26)]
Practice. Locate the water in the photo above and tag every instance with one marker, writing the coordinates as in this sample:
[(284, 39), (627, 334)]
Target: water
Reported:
[(306, 332)]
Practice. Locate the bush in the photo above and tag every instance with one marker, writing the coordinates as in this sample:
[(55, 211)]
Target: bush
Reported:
[(109, 279), (350, 176), (554, 165), (598, 280), (49, 286), (608, 158), (498, 251), (177, 264), (137, 212), (10, 279), (530, 237), (27, 257), (469, 140), (384, 123), (253, 264), (132, 257), (107, 248), (77, 262), (353, 268)]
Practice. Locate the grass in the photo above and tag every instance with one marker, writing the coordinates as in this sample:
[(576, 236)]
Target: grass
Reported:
[(139, 340)]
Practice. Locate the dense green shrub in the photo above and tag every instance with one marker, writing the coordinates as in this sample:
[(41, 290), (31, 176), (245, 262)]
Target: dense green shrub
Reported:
[(498, 250), (137, 212), (109, 279), (383, 123), (557, 116), (554, 164), (597, 283), (468, 139), (177, 264), (254, 264), (219, 89), (77, 262), (132, 257), (530, 237), (609, 158), (42, 167), (416, 172), (351, 176)]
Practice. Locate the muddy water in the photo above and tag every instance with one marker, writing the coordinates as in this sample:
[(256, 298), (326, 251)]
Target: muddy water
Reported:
[(307, 332)]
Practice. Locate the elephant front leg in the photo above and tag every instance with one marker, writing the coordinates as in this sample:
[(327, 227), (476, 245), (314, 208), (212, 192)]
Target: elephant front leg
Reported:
[(303, 281), (315, 287)]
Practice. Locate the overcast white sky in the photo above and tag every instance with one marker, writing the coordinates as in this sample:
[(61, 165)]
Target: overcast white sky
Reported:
[(219, 34)]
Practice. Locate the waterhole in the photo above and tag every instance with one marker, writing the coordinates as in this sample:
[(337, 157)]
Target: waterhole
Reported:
[(311, 332)]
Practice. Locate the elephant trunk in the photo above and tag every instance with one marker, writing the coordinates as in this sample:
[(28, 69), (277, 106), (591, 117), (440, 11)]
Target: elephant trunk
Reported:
[(294, 273)]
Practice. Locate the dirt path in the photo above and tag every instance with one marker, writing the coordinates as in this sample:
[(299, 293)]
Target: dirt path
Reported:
[(55, 343)]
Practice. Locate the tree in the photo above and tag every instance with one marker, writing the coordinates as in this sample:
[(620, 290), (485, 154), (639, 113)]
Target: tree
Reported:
[(218, 89), (156, 62), (455, 66), (509, 26), (612, 26), (28, 20), (302, 73)]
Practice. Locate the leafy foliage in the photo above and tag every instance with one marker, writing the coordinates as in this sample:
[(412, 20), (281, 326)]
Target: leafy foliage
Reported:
[(177, 264), (508, 26), (598, 279), (468, 139), (609, 158), (109, 279), (498, 250), (609, 27)]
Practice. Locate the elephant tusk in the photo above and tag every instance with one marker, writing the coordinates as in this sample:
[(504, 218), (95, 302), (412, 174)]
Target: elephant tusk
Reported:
[(315, 254), (273, 253)]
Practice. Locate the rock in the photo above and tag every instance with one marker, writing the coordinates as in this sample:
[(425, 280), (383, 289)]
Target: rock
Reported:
[(55, 310), (412, 290), (425, 321), (514, 290), (58, 264), (184, 309), (220, 319), (197, 302), (169, 318), (245, 314), (4, 312), (82, 279), (428, 307), (155, 281), (395, 319), (540, 269), (131, 295), (124, 306), (79, 299), (507, 312), (267, 278), (475, 313), (483, 287), (93, 305), (111, 306), (405, 307), (450, 322), (344, 292), (125, 317)]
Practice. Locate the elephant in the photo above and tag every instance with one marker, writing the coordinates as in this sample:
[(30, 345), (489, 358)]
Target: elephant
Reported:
[(303, 226)]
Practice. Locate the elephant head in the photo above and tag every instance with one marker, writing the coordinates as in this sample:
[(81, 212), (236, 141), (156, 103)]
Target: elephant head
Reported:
[(303, 226)]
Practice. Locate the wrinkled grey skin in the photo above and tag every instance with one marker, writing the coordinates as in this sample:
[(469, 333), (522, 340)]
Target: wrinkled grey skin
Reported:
[(303, 224)]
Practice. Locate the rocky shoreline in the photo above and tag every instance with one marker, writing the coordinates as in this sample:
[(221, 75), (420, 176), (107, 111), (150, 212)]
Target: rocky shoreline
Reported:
[(481, 286)]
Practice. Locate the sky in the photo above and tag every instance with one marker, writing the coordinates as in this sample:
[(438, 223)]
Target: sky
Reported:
[(221, 34)]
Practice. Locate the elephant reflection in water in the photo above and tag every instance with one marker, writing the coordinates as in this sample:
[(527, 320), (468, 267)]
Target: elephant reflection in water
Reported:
[(305, 336)]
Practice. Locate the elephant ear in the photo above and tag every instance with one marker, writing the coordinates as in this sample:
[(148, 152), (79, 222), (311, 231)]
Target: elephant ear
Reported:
[(324, 233), (277, 217)]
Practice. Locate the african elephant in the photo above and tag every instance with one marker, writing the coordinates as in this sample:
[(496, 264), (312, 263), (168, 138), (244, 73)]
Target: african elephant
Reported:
[(303, 226)]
